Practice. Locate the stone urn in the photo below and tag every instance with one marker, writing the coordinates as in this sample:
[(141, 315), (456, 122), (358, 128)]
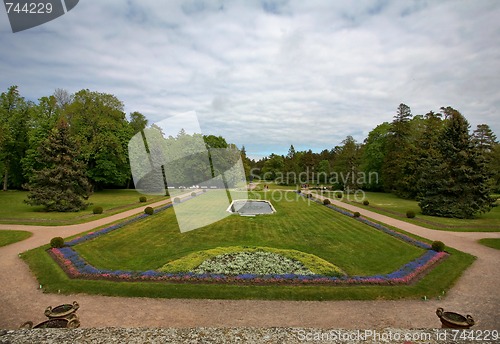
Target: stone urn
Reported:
[(454, 320), (61, 311), (69, 322)]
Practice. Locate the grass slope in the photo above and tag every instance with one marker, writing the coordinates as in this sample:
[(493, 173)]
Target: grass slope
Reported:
[(14, 211), (493, 243), (393, 206), (10, 237)]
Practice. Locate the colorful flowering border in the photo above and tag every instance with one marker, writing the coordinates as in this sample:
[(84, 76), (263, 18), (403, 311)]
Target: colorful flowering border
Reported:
[(76, 267)]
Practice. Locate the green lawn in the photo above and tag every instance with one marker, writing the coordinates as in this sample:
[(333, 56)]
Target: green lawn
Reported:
[(309, 227), (312, 228), (14, 211), (493, 243), (393, 206), (10, 237)]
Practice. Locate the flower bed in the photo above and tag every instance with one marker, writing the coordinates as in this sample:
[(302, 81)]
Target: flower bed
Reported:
[(258, 263), (76, 267)]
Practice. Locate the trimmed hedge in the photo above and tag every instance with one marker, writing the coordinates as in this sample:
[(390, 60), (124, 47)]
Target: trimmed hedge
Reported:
[(149, 211), (97, 210), (142, 199), (326, 201), (438, 246), (410, 214), (57, 242)]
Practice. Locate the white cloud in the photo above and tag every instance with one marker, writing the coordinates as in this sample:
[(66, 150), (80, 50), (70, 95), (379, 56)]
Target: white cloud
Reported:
[(272, 73)]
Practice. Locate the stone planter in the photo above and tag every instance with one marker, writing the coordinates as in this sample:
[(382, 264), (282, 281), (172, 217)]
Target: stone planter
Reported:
[(61, 311), (454, 320), (69, 322)]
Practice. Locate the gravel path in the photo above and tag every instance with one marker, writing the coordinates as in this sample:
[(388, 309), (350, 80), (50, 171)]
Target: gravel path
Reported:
[(476, 293)]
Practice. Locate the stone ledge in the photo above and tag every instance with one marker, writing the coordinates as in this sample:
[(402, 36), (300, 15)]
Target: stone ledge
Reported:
[(227, 335)]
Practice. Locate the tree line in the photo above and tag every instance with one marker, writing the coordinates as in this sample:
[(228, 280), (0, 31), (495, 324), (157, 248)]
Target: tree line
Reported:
[(433, 158), (97, 126)]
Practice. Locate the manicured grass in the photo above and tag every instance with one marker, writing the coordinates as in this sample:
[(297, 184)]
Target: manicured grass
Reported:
[(491, 242), (298, 224), (393, 206), (13, 210), (10, 237)]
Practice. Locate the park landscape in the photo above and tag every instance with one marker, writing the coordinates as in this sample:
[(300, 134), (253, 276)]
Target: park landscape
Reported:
[(70, 225)]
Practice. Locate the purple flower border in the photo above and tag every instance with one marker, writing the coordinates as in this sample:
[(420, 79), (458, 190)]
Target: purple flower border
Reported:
[(76, 267)]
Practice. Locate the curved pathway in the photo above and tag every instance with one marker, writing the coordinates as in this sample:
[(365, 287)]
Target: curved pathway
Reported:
[(476, 293)]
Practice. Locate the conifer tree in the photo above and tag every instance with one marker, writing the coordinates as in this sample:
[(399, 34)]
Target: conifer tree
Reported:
[(455, 180), (61, 185)]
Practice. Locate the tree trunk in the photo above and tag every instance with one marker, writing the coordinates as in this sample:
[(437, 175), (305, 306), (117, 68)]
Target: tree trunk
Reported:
[(5, 178)]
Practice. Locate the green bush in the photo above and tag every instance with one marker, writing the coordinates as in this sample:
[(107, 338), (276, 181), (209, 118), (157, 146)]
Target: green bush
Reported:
[(193, 194), (339, 195), (142, 199), (356, 214), (438, 246), (177, 200), (97, 210), (366, 202), (326, 201), (149, 211), (57, 242), (410, 214)]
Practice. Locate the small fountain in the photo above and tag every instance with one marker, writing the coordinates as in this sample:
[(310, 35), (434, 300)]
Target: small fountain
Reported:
[(251, 207)]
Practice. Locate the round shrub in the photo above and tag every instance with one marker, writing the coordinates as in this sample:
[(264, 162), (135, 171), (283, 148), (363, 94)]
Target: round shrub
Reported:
[(149, 211), (57, 242), (142, 199), (177, 200), (97, 210), (193, 194), (410, 214), (339, 195), (366, 202), (326, 201), (438, 246), (356, 214)]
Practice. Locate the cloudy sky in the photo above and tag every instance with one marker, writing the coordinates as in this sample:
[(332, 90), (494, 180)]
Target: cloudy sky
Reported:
[(270, 73)]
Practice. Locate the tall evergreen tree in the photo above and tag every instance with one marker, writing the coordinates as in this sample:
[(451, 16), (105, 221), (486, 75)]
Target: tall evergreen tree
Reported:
[(347, 164), (62, 184), (397, 158), (455, 180)]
